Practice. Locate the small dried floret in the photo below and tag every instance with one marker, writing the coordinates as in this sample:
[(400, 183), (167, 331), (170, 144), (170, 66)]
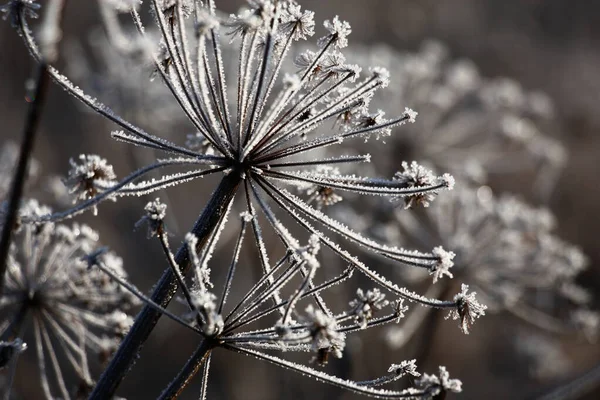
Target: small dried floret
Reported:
[(89, 175), (467, 310), (305, 60), (119, 322), (338, 33), (436, 385), (325, 338), (366, 304), (381, 76), (154, 217), (412, 114), (407, 367), (14, 8), (416, 176), (308, 253), (323, 195), (442, 267), (299, 24)]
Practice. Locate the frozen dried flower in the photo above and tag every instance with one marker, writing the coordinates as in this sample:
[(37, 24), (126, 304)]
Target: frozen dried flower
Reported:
[(468, 309)]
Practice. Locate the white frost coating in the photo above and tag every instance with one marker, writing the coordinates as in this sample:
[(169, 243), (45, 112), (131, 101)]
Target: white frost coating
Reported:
[(342, 229), (321, 376), (403, 292), (338, 33), (444, 264)]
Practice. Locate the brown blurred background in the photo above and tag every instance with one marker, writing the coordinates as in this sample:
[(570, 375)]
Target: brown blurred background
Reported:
[(550, 45)]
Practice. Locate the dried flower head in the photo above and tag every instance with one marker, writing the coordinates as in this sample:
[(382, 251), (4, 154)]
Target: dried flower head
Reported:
[(366, 304), (468, 309), (89, 176), (60, 304), (438, 385), (154, 217)]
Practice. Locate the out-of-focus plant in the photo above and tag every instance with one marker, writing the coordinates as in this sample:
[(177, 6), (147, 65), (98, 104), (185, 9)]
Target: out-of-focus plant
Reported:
[(477, 128)]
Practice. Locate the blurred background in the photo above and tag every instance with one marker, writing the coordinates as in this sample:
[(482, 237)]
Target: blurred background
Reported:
[(547, 45)]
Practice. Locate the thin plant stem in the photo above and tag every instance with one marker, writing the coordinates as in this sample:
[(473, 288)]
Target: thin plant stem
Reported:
[(189, 370), (29, 134), (164, 291)]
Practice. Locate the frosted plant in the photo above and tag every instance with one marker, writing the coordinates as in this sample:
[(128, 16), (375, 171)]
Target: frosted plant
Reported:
[(271, 139), (508, 253), (475, 127), (56, 304), (264, 321)]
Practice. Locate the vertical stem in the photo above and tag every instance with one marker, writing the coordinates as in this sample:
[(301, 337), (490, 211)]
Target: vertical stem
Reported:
[(16, 192), (164, 291)]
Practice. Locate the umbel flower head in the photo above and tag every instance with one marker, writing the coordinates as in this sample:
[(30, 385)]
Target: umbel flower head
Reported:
[(54, 302), (508, 252), (265, 138), (475, 127)]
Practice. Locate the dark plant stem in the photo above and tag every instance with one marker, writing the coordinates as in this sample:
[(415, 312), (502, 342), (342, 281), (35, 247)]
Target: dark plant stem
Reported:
[(164, 291), (16, 192), (189, 370)]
